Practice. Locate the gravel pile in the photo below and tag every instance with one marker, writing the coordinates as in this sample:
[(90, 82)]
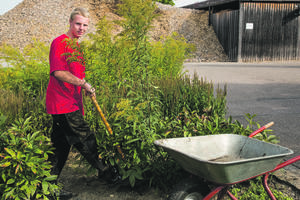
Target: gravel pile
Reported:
[(40, 19), (46, 19)]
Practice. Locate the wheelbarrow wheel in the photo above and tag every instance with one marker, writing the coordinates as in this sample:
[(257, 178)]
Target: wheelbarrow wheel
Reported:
[(189, 189)]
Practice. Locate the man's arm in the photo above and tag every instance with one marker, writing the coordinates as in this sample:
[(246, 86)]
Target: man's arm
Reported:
[(68, 77)]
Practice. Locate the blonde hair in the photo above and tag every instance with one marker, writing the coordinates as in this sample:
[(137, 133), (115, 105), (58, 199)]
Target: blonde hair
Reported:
[(79, 11)]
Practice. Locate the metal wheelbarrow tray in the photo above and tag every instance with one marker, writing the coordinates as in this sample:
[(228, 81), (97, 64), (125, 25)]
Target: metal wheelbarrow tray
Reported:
[(225, 158)]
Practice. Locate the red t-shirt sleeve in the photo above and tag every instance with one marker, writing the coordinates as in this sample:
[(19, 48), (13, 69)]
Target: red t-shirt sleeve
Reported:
[(57, 59)]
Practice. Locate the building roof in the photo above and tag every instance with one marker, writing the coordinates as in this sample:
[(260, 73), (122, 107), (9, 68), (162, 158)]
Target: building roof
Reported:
[(183, 3), (207, 3), (199, 3)]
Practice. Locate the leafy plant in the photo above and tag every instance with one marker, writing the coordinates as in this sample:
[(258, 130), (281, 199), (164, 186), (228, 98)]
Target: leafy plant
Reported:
[(113, 61), (191, 94), (11, 104), (28, 71), (24, 82), (267, 135), (252, 190), (167, 56), (170, 2), (123, 68), (2, 121), (24, 163)]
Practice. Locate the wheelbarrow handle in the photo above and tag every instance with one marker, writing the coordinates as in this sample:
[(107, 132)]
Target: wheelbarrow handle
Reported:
[(106, 123), (261, 129), (286, 163)]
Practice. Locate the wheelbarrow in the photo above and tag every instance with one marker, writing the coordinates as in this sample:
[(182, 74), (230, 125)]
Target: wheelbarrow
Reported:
[(224, 160)]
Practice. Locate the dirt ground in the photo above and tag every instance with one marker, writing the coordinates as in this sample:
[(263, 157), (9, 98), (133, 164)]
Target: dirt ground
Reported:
[(88, 187)]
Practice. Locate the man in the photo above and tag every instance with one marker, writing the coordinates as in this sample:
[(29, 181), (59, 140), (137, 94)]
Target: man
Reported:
[(64, 99)]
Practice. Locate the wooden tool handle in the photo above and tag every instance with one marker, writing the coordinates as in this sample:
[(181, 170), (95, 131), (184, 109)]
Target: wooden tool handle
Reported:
[(269, 124), (261, 129), (106, 123), (102, 115)]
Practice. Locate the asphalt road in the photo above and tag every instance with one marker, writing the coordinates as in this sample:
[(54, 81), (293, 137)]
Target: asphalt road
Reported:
[(270, 90)]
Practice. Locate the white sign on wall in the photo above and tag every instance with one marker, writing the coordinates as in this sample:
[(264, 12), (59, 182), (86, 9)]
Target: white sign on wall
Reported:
[(249, 26)]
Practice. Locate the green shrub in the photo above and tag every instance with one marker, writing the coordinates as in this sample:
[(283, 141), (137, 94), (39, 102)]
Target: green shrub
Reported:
[(190, 94), (3, 119), (115, 61), (252, 190), (11, 104), (29, 68), (167, 56), (25, 170), (23, 84), (123, 68)]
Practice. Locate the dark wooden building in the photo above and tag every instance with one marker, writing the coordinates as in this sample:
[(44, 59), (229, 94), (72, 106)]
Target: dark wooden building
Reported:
[(256, 30)]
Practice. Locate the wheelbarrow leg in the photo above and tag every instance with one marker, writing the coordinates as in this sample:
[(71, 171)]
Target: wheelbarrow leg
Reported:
[(231, 195), (266, 176), (225, 191), (213, 193), (266, 186)]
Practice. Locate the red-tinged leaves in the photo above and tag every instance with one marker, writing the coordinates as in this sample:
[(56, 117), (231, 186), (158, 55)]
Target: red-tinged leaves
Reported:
[(17, 168), (11, 152), (5, 164)]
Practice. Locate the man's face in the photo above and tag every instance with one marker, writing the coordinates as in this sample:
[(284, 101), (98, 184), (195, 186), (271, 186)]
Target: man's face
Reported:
[(78, 26)]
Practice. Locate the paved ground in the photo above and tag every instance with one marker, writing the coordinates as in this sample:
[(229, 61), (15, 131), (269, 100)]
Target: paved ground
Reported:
[(271, 91)]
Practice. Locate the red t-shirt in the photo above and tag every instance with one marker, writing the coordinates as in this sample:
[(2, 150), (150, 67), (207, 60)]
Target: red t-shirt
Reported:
[(63, 97)]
